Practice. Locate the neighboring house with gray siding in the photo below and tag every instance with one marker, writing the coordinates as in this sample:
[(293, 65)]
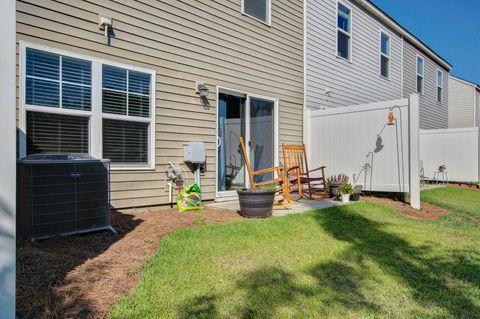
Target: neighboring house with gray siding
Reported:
[(429, 78), (333, 80), (463, 103), (132, 98), (356, 53)]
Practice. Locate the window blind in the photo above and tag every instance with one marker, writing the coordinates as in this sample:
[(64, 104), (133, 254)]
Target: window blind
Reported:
[(125, 141), (54, 80), (125, 92), (56, 133)]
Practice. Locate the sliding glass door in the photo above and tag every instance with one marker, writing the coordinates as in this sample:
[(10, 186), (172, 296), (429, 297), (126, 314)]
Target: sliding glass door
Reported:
[(262, 141), (252, 118)]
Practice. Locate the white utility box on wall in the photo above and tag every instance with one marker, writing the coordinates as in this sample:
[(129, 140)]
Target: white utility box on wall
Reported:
[(194, 152)]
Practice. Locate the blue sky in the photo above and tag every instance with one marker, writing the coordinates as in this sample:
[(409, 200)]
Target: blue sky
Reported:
[(450, 27)]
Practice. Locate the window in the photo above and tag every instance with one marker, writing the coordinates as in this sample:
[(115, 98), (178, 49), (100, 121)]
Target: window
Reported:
[(57, 81), (439, 86), (420, 72), (257, 9), (64, 110), (125, 141), (53, 133), (344, 31), (384, 55)]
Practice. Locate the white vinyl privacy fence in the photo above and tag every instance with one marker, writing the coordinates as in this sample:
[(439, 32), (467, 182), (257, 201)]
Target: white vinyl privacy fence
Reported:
[(457, 149), (358, 141)]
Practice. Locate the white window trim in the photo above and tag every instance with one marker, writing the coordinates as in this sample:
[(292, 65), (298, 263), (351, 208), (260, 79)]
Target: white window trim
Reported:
[(349, 34), (96, 115), (269, 13), (439, 86), (385, 55), (418, 74)]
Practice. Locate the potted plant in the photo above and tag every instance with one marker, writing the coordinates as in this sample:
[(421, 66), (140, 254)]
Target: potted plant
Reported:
[(345, 190), (257, 202), (334, 182), (357, 192), (442, 168)]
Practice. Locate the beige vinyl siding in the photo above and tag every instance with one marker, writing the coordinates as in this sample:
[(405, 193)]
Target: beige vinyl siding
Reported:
[(461, 110), (205, 41), (433, 115), (355, 82)]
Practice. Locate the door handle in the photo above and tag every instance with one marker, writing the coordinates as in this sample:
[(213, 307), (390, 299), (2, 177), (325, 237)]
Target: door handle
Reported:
[(219, 141)]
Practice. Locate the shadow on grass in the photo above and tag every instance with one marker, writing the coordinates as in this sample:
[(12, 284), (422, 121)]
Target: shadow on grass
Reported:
[(429, 279), (339, 285)]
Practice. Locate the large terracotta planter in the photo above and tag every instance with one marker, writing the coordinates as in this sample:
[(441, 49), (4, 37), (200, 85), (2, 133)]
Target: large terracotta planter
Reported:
[(256, 204)]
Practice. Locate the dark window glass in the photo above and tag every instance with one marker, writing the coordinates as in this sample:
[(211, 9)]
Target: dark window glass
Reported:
[(114, 78), (344, 18), (419, 84), (385, 44), (43, 64), (114, 102), (48, 133), (76, 97), (439, 94), (43, 81), (256, 8), (139, 82), (125, 142), (126, 92), (343, 45), (42, 92), (76, 71), (384, 66), (138, 105)]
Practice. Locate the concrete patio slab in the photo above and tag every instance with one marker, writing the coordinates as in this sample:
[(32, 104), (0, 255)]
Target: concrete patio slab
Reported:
[(300, 206)]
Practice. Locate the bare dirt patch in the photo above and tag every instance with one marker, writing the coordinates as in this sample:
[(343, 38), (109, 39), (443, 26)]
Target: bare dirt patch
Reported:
[(427, 211), (83, 276)]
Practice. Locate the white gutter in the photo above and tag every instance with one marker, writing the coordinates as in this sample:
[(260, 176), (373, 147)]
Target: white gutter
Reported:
[(379, 14)]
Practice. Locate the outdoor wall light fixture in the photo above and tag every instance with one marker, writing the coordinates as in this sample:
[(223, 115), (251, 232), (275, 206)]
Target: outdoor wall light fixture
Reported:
[(202, 90)]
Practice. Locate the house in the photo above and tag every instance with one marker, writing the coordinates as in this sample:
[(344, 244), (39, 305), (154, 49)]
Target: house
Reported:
[(119, 80), (356, 53), (464, 103)]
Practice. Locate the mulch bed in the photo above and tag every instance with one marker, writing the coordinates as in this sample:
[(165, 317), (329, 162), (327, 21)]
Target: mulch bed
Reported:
[(83, 276), (427, 211), (471, 186)]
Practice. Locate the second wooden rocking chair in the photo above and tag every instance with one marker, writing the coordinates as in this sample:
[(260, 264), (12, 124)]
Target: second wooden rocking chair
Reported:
[(312, 187)]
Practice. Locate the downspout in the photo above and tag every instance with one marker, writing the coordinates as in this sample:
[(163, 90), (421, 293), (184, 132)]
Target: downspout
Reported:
[(474, 106), (401, 68), (305, 110)]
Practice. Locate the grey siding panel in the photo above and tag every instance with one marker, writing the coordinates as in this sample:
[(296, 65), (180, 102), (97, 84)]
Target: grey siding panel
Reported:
[(433, 115), (354, 82), (208, 41), (461, 104), (477, 109)]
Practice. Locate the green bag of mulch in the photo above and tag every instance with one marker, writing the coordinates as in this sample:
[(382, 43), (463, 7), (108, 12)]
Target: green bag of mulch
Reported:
[(189, 198)]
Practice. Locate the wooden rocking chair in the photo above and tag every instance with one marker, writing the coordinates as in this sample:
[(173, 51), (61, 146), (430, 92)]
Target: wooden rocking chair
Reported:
[(295, 156), (282, 196)]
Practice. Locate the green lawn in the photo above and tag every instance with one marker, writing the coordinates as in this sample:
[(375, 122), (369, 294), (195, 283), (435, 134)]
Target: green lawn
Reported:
[(465, 202), (357, 261)]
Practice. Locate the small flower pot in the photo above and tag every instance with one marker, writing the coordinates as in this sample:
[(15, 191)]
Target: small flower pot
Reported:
[(256, 204), (334, 190), (345, 198), (355, 197)]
